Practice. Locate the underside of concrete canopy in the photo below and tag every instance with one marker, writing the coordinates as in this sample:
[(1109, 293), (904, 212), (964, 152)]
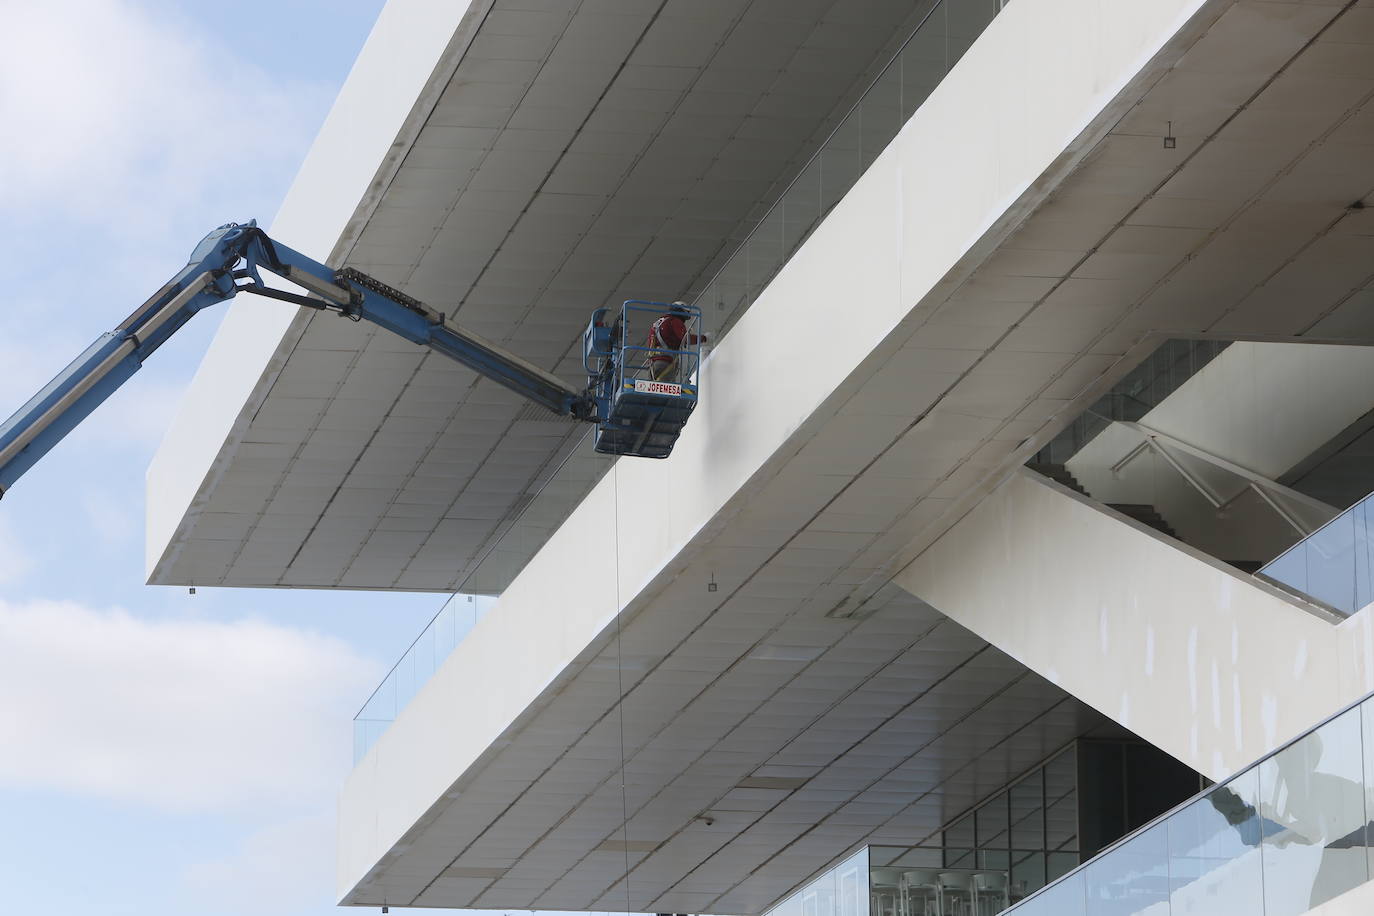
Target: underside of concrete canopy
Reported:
[(1025, 240), (761, 656), (514, 165)]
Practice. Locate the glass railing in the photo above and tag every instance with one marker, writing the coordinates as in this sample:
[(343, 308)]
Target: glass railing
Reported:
[(1279, 838), (1333, 564), (443, 634), (943, 35)]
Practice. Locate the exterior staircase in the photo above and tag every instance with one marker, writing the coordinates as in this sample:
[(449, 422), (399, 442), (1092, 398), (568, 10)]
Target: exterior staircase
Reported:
[(1145, 514), (1141, 512)]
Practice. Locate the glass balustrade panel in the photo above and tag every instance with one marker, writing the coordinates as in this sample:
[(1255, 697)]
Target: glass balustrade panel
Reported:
[(1311, 802), (880, 115), (1214, 852), (924, 61), (1131, 879), (1067, 898)]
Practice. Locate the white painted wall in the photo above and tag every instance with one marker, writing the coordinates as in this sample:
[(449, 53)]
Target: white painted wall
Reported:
[(336, 185), (1206, 663), (1037, 79)]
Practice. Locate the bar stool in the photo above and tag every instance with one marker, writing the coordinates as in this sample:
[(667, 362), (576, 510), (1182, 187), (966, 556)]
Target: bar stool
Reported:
[(956, 893), (885, 891), (921, 885), (990, 893)]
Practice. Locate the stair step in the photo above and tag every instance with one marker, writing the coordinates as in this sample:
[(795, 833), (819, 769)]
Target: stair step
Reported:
[(1146, 515), (1059, 474), (1141, 512)]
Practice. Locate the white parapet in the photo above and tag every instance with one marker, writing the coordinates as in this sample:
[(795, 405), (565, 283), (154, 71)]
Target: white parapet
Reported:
[(1199, 659)]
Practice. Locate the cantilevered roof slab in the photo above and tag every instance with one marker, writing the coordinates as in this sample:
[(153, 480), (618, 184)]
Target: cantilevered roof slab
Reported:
[(515, 164), (988, 290)]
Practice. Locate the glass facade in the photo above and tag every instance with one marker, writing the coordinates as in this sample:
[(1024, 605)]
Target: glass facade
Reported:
[(1036, 830), (990, 857), (443, 634), (1284, 836)]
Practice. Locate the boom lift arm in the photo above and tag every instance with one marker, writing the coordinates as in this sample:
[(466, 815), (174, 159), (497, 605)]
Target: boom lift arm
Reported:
[(230, 260)]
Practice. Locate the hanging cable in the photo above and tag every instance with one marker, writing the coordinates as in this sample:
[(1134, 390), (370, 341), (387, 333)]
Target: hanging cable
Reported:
[(620, 684)]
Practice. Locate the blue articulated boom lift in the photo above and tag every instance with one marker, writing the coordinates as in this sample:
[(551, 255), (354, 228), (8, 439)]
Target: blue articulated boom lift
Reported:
[(634, 416)]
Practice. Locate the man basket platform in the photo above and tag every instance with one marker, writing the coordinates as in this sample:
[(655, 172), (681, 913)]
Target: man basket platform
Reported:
[(646, 391)]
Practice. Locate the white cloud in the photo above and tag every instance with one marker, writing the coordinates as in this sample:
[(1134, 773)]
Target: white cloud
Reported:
[(15, 559), (112, 111), (177, 714), (127, 135), (112, 518), (285, 868)]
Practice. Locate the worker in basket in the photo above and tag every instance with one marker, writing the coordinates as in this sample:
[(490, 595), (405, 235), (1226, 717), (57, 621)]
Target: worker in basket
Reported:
[(669, 332)]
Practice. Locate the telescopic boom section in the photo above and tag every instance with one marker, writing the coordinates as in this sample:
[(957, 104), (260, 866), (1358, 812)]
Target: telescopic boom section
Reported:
[(229, 261)]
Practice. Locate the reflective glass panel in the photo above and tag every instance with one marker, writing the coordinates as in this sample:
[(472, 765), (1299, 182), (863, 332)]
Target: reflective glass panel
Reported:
[(1367, 715), (841, 891), (957, 857), (1214, 852), (1335, 565), (1331, 563), (967, 19), (1067, 898), (415, 668), (1312, 805), (885, 890), (880, 114), (960, 833), (1061, 803), (840, 162), (991, 821), (923, 61), (994, 859), (1028, 812), (732, 285), (764, 251), (1363, 513), (1058, 864), (801, 206), (1132, 878), (851, 886), (796, 903), (1027, 873)]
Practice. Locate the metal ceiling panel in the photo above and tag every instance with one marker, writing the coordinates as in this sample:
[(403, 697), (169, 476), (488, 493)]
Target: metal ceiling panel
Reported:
[(581, 153)]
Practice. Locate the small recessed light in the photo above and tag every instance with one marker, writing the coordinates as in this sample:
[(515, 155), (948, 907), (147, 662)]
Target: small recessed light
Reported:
[(786, 653), (458, 871), (772, 782), (628, 846)]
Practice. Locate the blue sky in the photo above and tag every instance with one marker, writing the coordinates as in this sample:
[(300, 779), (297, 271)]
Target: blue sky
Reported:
[(160, 752)]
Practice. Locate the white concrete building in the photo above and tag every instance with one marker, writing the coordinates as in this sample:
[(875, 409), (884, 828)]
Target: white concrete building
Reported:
[(1013, 513)]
